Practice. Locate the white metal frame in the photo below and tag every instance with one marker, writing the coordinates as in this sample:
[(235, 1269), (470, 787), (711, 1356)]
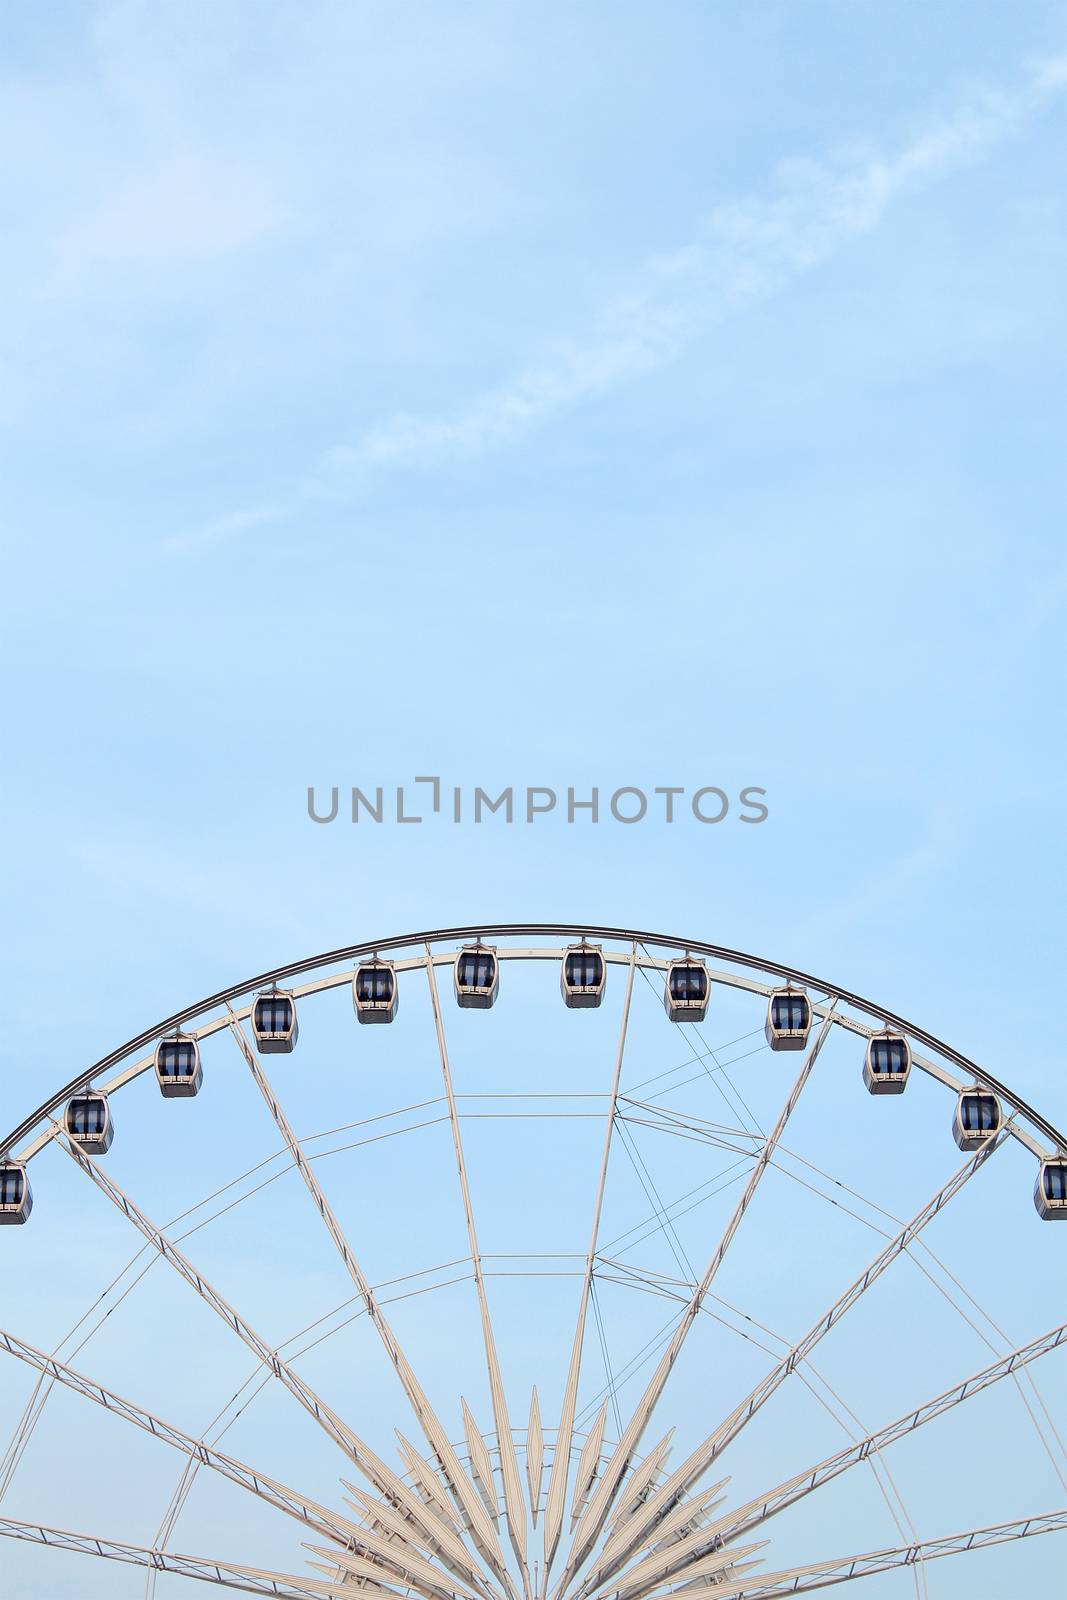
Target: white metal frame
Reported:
[(636, 1531)]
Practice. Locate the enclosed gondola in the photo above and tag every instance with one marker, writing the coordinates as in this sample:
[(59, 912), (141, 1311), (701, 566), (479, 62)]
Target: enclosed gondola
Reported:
[(978, 1116), (375, 991), (178, 1070), (16, 1199), (274, 1023), (888, 1063), (583, 976), (788, 1019), (1050, 1192), (87, 1122), (477, 977), (687, 990)]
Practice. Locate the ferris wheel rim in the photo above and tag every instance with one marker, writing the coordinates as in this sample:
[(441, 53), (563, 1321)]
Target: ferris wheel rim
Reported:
[(449, 943), (577, 930)]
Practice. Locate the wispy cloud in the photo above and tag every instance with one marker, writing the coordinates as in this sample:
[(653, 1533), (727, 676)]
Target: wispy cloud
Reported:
[(217, 529), (742, 254)]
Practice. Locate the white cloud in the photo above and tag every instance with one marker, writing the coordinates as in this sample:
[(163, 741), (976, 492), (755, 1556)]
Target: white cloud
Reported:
[(230, 523), (742, 254)]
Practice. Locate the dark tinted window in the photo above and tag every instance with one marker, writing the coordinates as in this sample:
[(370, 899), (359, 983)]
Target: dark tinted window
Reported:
[(979, 1113), (274, 1014), (584, 969), (374, 983), (1056, 1180), (11, 1186), (177, 1058), (476, 969), (87, 1118), (790, 1013), (689, 983), (889, 1057)]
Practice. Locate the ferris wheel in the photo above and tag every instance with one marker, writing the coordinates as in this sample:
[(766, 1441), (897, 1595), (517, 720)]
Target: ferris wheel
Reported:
[(603, 1265)]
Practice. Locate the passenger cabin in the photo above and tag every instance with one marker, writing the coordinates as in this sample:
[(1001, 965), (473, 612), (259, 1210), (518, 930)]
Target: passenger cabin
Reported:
[(16, 1200), (178, 1070), (87, 1122), (274, 1023), (1050, 1192), (375, 992), (788, 1019), (888, 1063), (686, 991), (583, 976), (978, 1115), (477, 976)]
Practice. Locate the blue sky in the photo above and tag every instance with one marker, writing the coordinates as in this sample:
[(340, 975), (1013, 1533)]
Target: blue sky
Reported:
[(713, 357), (533, 395)]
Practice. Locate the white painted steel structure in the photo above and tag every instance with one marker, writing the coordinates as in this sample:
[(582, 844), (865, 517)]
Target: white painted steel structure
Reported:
[(548, 1510)]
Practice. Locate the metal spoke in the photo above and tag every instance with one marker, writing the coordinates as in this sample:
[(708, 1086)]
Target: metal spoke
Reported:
[(698, 1562), (846, 1569), (267, 1489), (640, 1485), (600, 1503), (589, 1459), (535, 1456), (429, 1485), (514, 1509), (561, 1458), (460, 1485), (373, 1468), (388, 1520), (786, 1494), (695, 1557), (387, 1542), (227, 1574), (684, 1476), (631, 1536), (417, 1575)]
